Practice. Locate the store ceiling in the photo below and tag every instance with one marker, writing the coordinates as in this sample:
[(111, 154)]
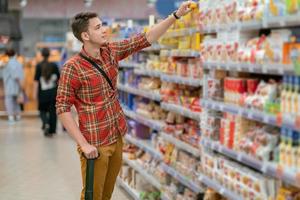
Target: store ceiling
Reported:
[(125, 9)]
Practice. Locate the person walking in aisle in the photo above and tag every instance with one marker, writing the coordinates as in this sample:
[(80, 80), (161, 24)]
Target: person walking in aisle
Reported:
[(88, 81), (45, 89), (13, 76)]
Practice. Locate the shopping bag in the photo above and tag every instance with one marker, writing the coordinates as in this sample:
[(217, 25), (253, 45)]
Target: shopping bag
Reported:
[(22, 97)]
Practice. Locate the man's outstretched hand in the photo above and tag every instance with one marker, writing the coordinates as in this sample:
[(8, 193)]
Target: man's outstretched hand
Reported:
[(185, 8)]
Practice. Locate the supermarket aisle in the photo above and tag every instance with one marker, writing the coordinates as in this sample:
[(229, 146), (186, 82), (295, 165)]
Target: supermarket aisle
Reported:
[(35, 167)]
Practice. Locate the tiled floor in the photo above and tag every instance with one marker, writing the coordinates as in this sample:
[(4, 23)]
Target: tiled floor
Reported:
[(33, 167)]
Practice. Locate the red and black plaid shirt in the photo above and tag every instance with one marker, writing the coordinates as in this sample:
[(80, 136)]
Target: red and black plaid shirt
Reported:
[(101, 118)]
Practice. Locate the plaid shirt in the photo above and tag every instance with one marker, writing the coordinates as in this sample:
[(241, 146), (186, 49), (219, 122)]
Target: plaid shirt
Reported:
[(101, 118)]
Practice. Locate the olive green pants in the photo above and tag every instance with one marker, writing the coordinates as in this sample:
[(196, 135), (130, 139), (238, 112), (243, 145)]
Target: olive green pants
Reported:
[(106, 170)]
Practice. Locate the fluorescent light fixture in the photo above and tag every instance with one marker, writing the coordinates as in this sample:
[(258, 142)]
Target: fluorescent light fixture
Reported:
[(23, 3)]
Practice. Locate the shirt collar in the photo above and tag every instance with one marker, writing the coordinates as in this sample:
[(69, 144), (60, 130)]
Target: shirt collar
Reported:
[(83, 51)]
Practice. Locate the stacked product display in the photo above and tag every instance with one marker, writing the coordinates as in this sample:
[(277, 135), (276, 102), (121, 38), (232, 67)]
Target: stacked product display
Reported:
[(215, 114)]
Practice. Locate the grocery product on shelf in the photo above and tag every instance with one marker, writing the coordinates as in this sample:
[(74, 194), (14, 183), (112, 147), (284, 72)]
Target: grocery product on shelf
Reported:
[(237, 130), (238, 179)]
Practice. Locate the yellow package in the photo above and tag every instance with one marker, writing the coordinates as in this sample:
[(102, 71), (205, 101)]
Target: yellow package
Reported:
[(196, 41), (185, 42), (292, 6)]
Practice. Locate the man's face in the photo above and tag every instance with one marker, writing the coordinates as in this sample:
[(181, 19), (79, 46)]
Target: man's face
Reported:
[(97, 33)]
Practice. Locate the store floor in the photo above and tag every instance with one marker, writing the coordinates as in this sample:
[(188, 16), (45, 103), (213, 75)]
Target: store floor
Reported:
[(33, 167)]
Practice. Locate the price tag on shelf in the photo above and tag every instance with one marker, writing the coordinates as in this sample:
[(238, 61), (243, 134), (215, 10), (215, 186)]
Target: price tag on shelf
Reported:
[(221, 107), (264, 168), (250, 114), (201, 178), (266, 119), (282, 22), (279, 119), (297, 123), (298, 179), (240, 111), (221, 191), (239, 157), (279, 171)]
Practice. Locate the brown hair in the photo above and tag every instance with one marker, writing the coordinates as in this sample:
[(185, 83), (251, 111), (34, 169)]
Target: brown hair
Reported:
[(10, 52), (45, 65), (80, 23)]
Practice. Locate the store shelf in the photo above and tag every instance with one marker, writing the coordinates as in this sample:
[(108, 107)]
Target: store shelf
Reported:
[(151, 179), (255, 115), (147, 72), (134, 194), (181, 110), (240, 26), (252, 114), (180, 32), (154, 95), (180, 53), (268, 168), (271, 69), (291, 122), (182, 179), (282, 21), (170, 78), (154, 124), (164, 197), (181, 80), (125, 64), (266, 22), (184, 53), (180, 144), (156, 47), (145, 145), (219, 188)]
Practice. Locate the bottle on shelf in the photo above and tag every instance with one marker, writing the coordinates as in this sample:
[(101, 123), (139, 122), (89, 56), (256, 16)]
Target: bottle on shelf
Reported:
[(289, 95), (288, 149), (294, 97), (283, 95), (283, 147), (295, 147)]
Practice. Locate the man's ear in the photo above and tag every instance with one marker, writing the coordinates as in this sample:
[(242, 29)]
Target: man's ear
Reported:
[(85, 36)]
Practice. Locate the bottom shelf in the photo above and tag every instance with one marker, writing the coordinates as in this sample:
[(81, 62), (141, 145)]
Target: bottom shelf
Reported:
[(219, 188), (133, 193)]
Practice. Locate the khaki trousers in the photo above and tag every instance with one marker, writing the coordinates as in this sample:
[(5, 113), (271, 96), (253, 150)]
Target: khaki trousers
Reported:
[(106, 170)]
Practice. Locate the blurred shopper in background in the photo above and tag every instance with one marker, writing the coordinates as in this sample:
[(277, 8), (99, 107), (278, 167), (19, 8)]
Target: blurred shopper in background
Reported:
[(88, 81), (13, 76), (45, 89)]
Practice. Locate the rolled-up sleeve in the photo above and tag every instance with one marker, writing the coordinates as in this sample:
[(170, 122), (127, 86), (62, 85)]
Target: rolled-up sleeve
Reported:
[(124, 48), (68, 84)]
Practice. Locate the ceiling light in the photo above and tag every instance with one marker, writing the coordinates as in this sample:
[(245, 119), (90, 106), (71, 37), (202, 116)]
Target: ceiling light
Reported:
[(23, 3)]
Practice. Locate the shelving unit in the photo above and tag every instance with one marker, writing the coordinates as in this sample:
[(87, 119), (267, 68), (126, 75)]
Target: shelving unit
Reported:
[(182, 179), (134, 194), (154, 95), (269, 169), (142, 172), (181, 110), (269, 69), (127, 64), (180, 144), (156, 125), (145, 145), (217, 187)]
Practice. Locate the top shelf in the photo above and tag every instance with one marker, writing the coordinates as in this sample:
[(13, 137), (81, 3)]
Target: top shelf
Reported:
[(270, 69), (266, 22), (180, 32)]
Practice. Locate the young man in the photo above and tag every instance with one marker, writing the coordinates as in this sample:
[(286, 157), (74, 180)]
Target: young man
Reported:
[(102, 123)]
